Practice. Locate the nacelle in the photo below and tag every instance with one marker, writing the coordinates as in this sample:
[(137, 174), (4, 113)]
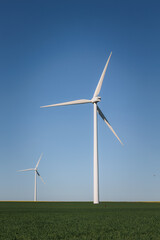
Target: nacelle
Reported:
[(96, 99)]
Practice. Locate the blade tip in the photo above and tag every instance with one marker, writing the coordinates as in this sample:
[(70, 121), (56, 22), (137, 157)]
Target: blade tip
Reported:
[(122, 143)]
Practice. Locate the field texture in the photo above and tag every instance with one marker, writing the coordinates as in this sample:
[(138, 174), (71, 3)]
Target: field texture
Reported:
[(79, 221)]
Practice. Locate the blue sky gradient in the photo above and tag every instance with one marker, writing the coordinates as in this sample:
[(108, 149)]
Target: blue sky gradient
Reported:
[(52, 52)]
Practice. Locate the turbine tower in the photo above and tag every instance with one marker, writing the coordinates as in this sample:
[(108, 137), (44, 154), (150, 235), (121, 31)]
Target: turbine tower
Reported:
[(35, 176), (95, 99)]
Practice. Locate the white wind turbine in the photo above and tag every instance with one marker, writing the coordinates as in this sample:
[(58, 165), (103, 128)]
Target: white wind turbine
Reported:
[(95, 99), (36, 173)]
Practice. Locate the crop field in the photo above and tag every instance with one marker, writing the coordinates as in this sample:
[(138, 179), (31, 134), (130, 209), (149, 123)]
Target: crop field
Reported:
[(79, 221)]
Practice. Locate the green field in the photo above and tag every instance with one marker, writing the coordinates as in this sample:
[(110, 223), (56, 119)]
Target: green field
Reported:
[(79, 221)]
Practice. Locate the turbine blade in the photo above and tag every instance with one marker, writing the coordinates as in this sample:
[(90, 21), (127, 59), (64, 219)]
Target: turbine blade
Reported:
[(40, 176), (108, 124), (81, 101), (30, 169), (98, 89), (39, 161), (41, 179)]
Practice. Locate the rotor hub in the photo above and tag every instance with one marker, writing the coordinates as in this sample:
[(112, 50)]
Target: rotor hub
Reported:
[(96, 99)]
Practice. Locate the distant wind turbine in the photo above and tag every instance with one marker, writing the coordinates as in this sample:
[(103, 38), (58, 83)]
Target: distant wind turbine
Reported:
[(36, 173), (95, 99)]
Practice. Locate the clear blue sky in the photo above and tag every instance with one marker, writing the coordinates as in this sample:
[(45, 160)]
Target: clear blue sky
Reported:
[(55, 51)]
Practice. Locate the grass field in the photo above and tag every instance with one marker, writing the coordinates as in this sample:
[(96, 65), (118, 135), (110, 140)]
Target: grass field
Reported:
[(79, 221)]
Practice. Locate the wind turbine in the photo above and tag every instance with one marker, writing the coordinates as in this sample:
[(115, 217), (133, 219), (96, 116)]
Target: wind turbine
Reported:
[(95, 99), (36, 173)]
